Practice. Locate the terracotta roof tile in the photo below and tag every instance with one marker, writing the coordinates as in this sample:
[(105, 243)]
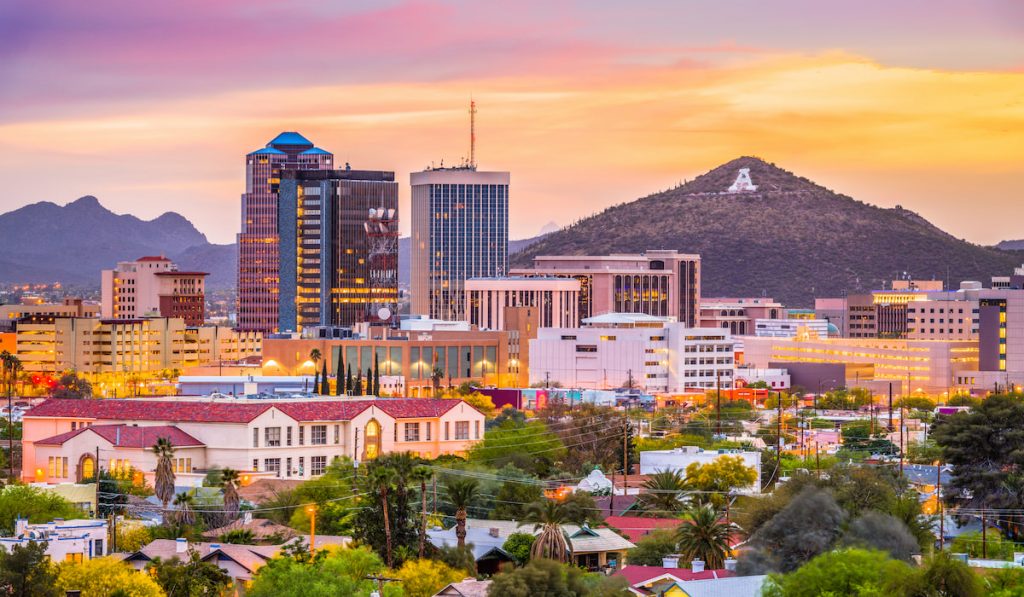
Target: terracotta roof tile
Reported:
[(641, 574), (129, 436)]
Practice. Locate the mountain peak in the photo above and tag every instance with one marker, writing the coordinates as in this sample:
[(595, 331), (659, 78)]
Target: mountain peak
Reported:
[(747, 174), (86, 202)]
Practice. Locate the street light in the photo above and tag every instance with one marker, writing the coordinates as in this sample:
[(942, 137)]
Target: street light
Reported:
[(311, 510)]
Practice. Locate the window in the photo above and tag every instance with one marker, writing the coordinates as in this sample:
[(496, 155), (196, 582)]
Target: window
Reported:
[(317, 465), (302, 435), (288, 435), (272, 437), (255, 437), (74, 557), (337, 434), (461, 430), (318, 435), (255, 464), (586, 348), (412, 432), (446, 435), (181, 465), (97, 547), (288, 467), (476, 429), (272, 465), (302, 465), (426, 429)]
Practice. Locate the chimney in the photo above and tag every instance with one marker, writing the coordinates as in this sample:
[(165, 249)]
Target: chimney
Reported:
[(214, 546), (697, 566), (180, 545), (493, 532), (730, 564), (670, 561)]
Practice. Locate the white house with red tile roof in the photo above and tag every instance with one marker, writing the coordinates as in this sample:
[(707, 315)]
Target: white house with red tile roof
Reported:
[(283, 439)]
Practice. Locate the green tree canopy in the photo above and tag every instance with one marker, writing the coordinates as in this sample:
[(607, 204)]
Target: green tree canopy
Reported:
[(38, 505), (847, 572)]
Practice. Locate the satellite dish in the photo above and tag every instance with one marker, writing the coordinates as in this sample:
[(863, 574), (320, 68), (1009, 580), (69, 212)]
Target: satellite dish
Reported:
[(383, 313)]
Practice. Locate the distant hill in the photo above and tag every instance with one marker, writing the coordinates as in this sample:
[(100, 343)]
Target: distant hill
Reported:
[(1011, 245), (405, 254), (790, 238), (46, 242)]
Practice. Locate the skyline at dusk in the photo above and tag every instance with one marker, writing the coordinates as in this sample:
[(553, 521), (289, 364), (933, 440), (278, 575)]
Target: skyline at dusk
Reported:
[(151, 108)]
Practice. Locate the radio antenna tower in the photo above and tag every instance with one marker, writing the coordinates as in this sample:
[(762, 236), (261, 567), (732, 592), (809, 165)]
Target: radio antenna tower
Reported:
[(472, 134)]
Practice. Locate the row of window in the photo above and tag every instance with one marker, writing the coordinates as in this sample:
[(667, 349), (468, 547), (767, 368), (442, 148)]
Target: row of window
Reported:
[(272, 436)]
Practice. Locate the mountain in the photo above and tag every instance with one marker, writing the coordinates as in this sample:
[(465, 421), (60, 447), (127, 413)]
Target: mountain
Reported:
[(405, 254), (790, 239), (45, 242), (1011, 245)]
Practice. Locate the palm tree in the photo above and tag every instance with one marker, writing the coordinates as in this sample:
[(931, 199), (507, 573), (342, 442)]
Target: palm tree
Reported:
[(548, 516), (11, 365), (382, 478), (315, 356), (461, 494), (422, 474), (663, 493), (435, 380), (184, 502), (704, 535), (229, 483), (163, 484)]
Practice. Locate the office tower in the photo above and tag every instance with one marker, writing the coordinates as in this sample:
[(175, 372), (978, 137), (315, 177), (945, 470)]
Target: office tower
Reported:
[(258, 243), (152, 286), (459, 231), (338, 234)]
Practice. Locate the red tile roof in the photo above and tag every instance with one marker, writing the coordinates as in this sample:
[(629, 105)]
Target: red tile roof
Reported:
[(181, 273), (236, 412), (640, 574), (635, 527), (153, 258), (129, 436)]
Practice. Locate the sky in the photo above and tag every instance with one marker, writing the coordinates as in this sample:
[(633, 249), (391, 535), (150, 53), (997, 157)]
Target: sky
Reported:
[(152, 106)]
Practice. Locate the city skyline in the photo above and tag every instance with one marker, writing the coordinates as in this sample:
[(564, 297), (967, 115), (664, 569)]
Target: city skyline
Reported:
[(915, 103)]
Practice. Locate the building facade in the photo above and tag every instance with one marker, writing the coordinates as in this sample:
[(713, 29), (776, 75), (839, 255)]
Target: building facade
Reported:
[(459, 231), (657, 282), (69, 307), (259, 438), (338, 232), (790, 328), (633, 350), (555, 299), (258, 242), (738, 314), (153, 286), (66, 540)]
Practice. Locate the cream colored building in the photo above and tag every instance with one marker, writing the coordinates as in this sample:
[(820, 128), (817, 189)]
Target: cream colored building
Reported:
[(556, 300), (69, 307), (285, 439), (152, 286)]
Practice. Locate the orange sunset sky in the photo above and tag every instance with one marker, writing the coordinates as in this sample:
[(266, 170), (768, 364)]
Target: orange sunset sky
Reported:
[(152, 106)]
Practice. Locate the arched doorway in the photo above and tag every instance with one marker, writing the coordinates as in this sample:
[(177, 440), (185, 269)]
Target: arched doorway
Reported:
[(371, 433), (86, 467)]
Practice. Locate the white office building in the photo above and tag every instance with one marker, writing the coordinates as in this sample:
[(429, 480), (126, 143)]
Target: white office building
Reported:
[(791, 328), (617, 350)]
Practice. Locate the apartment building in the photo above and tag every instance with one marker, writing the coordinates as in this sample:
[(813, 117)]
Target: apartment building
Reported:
[(556, 300), (738, 315), (152, 286)]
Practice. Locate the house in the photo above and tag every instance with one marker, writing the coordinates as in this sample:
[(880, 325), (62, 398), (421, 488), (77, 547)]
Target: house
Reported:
[(470, 587), (592, 548), (261, 529), (268, 438), (671, 581), (636, 527), (66, 540)]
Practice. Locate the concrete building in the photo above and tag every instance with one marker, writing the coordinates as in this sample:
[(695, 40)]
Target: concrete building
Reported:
[(737, 314), (459, 231), (616, 350), (338, 232), (926, 366), (832, 310), (945, 315), (775, 379), (152, 286), (653, 461), (1000, 343), (555, 299), (69, 307), (110, 351), (489, 357), (656, 282), (258, 242), (66, 540), (791, 328), (260, 438)]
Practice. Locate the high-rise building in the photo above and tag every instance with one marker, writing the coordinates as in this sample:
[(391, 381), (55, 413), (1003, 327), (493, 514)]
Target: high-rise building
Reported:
[(152, 286), (459, 231), (338, 234), (258, 243)]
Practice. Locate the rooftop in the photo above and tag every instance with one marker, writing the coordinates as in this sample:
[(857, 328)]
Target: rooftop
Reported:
[(128, 436), (268, 151), (289, 138), (316, 151)]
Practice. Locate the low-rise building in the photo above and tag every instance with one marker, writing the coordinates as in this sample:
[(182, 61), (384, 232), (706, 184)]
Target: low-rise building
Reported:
[(556, 300), (69, 307), (677, 459), (284, 438), (151, 286), (66, 540), (791, 328), (738, 314)]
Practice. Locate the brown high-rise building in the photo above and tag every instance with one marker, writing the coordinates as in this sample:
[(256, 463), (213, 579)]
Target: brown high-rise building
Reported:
[(258, 243)]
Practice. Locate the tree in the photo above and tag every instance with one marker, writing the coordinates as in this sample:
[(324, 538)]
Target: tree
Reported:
[(325, 382), (376, 374), (315, 356), (704, 535), (329, 572), (357, 387), (652, 547), (461, 493), (940, 576), (381, 480), (995, 546), (422, 474), (26, 571), (38, 505), (713, 481), (70, 385), (547, 577), (11, 365), (854, 572), (792, 538), (192, 577), (519, 545), (348, 380), (163, 483), (875, 530), (229, 483), (184, 503), (531, 447), (105, 576), (386, 497), (436, 374), (339, 373), (515, 495), (662, 493), (238, 537), (548, 516), (131, 537), (423, 578)]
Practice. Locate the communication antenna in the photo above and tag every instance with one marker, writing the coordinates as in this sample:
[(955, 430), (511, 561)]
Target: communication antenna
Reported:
[(472, 133)]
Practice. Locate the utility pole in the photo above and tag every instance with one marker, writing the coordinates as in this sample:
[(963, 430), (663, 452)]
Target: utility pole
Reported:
[(96, 478), (938, 505), (625, 454), (903, 426), (779, 426), (890, 407), (984, 536), (718, 389)]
